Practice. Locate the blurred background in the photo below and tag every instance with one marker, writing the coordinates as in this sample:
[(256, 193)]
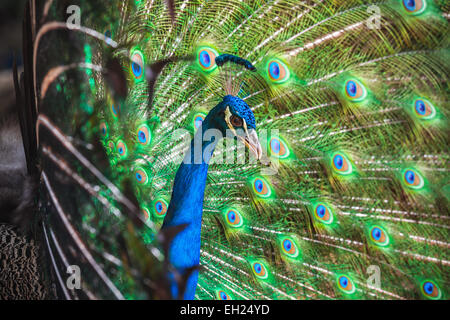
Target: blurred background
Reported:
[(11, 12), (16, 282)]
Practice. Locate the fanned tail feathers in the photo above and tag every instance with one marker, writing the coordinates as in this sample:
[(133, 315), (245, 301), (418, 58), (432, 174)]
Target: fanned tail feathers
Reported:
[(351, 104)]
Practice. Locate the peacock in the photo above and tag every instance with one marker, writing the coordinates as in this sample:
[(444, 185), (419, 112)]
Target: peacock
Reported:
[(251, 149)]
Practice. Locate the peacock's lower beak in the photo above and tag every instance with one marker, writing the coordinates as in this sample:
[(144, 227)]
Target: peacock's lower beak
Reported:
[(252, 142)]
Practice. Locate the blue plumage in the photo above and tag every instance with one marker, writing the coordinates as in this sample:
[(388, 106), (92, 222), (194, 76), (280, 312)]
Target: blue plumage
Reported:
[(223, 58), (186, 205), (241, 109), (352, 112)]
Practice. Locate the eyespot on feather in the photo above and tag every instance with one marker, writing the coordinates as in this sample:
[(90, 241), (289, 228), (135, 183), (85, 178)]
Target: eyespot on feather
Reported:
[(431, 290), (198, 120), (207, 59), (345, 284), (115, 110), (261, 188), (259, 270), (414, 7), (234, 218), (413, 179), (424, 109), (122, 149), (323, 214), (341, 164), (137, 65), (289, 247), (141, 176), (103, 129), (160, 208), (379, 236), (143, 135), (277, 71), (222, 295), (278, 148), (355, 90)]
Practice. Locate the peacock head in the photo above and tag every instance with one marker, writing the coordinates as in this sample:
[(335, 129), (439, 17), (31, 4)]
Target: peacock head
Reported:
[(234, 114)]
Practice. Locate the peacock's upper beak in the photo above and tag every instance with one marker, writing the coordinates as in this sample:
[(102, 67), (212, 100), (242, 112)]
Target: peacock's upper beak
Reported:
[(252, 142)]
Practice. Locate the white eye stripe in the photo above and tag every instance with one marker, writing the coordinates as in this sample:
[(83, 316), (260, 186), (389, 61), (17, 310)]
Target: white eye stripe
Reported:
[(245, 126), (228, 119), (227, 113)]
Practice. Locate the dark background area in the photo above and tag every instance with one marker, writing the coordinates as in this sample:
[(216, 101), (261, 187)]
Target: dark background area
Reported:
[(18, 252), (11, 12)]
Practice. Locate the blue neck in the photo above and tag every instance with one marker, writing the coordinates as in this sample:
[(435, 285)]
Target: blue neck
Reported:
[(186, 207)]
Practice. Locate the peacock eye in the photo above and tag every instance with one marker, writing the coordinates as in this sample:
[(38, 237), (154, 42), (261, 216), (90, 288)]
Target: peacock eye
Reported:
[(355, 90), (278, 148), (379, 236), (236, 121), (289, 248), (122, 149), (115, 110), (424, 109), (277, 71), (103, 129), (414, 7), (261, 188), (199, 118), (223, 295), (341, 164), (137, 64), (141, 176), (143, 135), (234, 218), (160, 208), (413, 179), (323, 214), (346, 284), (259, 270), (431, 290), (207, 59)]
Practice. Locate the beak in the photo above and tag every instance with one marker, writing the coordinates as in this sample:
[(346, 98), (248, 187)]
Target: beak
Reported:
[(252, 142)]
